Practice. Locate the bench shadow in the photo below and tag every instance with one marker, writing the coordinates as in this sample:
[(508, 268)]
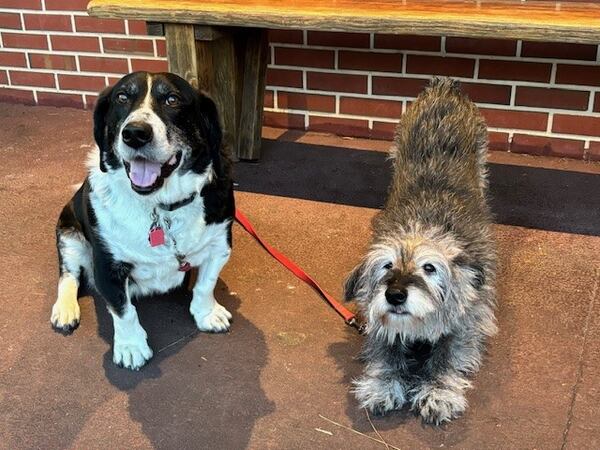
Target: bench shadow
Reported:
[(531, 197), (196, 385)]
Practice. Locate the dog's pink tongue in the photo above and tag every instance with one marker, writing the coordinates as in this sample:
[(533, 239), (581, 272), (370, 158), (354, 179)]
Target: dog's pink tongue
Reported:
[(144, 173)]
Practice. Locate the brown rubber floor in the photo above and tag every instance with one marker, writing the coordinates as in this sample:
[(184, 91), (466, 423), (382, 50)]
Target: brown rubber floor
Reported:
[(280, 378)]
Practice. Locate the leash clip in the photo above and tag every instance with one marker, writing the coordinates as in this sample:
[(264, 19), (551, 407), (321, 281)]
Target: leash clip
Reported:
[(356, 324)]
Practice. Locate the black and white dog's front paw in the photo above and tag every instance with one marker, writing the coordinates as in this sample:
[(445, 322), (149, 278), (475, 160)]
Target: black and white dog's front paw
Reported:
[(210, 316), (131, 354), (66, 314), (437, 404), (379, 396)]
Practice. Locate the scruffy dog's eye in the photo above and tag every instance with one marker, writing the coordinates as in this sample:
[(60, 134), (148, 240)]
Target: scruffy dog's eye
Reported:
[(388, 266), (122, 97), (429, 268), (172, 100)]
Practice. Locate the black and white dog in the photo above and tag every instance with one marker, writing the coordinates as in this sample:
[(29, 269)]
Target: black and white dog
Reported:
[(158, 200)]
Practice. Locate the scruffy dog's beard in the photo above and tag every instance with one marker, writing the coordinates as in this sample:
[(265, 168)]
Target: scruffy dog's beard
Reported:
[(426, 286)]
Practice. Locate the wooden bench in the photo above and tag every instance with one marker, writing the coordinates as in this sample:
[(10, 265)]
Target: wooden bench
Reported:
[(221, 45)]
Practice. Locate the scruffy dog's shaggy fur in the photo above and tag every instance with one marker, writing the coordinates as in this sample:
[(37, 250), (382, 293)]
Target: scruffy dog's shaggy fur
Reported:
[(426, 284)]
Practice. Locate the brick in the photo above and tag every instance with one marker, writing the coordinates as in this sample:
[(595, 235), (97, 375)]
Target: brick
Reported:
[(138, 27), (339, 126), (308, 102), (597, 103), (589, 126), (149, 65), (370, 61), (10, 20), (408, 42), (161, 48), (403, 87), (478, 46), (487, 93), (521, 120), (552, 98), (334, 39), (514, 70), (283, 120), (90, 101), (575, 74), (283, 77), (67, 5), (498, 141), (370, 107), (75, 43), (81, 82), (16, 96), (116, 45), (13, 59), (32, 79), (45, 61), (47, 22), (113, 80), (383, 130), (29, 41), (593, 153), (305, 57), (286, 36), (547, 146), (21, 4), (440, 65), (561, 50), (95, 25), (99, 64), (269, 101), (3, 77), (337, 82), (60, 99)]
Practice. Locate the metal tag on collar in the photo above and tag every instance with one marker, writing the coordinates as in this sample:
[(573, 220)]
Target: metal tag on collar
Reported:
[(184, 265), (156, 235)]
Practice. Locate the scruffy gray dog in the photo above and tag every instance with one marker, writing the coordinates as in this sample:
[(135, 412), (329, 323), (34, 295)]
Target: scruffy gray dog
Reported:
[(426, 284)]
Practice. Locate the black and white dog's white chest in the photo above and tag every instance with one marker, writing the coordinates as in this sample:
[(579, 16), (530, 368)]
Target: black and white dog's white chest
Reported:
[(188, 240)]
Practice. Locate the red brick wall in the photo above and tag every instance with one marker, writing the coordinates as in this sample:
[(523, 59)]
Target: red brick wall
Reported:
[(538, 98)]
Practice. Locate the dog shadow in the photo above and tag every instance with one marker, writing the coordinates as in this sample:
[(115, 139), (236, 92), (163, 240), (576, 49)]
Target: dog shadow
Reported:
[(203, 378)]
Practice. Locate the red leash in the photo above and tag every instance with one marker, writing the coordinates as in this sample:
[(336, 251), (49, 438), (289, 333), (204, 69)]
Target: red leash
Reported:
[(348, 315)]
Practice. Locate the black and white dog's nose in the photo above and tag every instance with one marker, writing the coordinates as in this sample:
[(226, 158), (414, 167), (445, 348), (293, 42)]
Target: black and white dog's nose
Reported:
[(396, 296), (137, 134)]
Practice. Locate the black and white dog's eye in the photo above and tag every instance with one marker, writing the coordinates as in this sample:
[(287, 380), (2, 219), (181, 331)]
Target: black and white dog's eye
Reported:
[(388, 266), (122, 97), (429, 268), (172, 100)]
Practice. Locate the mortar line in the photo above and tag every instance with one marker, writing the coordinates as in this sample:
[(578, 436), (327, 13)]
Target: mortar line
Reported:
[(579, 376)]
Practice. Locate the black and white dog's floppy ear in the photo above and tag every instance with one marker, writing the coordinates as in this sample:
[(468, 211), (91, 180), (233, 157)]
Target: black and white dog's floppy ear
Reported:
[(100, 129), (211, 128)]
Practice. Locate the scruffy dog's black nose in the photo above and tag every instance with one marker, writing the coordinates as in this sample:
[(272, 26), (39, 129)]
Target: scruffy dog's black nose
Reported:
[(396, 296), (137, 134)]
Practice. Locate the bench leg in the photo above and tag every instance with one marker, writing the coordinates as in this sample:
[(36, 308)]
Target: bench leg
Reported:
[(230, 65), (252, 74), (181, 48)]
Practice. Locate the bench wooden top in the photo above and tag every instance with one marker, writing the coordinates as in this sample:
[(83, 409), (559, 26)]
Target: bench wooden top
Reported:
[(514, 19)]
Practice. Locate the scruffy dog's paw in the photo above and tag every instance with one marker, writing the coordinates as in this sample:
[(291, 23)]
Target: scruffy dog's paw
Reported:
[(132, 355), (379, 396), (215, 320), (437, 405), (65, 315)]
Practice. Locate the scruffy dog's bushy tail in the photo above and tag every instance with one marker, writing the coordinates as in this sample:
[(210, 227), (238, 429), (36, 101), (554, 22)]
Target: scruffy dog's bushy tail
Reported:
[(443, 132)]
